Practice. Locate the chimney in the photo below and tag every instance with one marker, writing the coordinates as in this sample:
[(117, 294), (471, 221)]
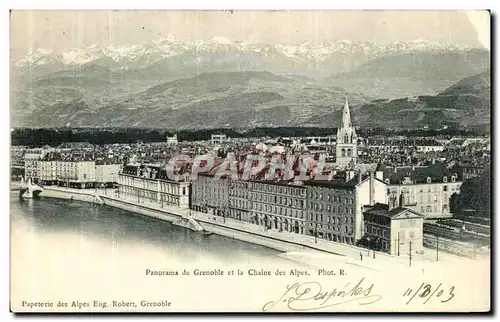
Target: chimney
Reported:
[(360, 178), (379, 175), (372, 189)]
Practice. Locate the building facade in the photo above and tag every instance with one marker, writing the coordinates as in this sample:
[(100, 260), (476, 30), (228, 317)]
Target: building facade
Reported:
[(47, 172), (172, 140), (426, 190), (76, 174), (150, 184), (395, 230), (335, 207), (219, 138), (210, 195), (240, 204), (31, 159), (278, 205), (107, 173), (347, 141)]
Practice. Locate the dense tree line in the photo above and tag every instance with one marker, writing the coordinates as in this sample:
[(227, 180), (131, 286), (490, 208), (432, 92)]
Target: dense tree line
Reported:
[(474, 198), (53, 136)]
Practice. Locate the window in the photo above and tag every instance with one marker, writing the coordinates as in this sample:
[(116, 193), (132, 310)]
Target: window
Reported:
[(445, 188), (384, 233)]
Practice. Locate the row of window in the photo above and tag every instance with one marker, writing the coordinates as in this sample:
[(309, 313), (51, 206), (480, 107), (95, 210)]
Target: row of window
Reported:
[(277, 189), (163, 198), (279, 200), (430, 188), (345, 229), (238, 193), (279, 210), (332, 208), (331, 219), (336, 196), (163, 186)]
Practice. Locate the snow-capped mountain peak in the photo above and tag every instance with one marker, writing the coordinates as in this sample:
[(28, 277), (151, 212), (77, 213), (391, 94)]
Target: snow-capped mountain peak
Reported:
[(136, 56)]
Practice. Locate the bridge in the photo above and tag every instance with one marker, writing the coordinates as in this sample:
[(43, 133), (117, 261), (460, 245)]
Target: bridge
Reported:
[(29, 190)]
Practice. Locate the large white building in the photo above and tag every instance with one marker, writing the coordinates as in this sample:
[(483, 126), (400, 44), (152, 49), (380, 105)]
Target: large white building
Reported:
[(76, 174), (426, 190), (151, 184), (107, 173)]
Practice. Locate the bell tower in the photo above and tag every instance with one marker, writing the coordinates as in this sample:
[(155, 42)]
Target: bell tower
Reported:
[(347, 140)]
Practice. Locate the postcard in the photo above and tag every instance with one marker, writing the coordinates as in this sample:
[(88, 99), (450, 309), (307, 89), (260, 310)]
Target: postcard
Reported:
[(250, 161)]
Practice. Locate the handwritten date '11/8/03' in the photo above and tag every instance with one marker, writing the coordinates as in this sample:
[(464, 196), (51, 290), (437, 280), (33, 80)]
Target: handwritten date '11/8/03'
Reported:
[(311, 296), (426, 292)]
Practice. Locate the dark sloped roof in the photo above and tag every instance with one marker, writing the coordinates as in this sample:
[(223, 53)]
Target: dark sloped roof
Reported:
[(420, 174), (383, 210)]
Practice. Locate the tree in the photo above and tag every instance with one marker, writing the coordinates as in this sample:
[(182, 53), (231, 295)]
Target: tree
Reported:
[(474, 198)]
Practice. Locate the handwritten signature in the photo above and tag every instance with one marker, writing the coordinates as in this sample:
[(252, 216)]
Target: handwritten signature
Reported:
[(310, 296)]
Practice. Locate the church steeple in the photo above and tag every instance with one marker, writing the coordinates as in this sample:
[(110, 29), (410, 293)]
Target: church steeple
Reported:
[(346, 115), (346, 149)]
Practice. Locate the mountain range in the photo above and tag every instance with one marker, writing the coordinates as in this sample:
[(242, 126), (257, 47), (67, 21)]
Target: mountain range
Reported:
[(178, 84)]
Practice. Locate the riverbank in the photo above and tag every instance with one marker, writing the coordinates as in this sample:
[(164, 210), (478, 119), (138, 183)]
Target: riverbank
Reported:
[(282, 241)]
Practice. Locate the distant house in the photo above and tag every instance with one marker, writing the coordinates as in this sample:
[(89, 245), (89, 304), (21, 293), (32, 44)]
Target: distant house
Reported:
[(219, 138), (172, 140)]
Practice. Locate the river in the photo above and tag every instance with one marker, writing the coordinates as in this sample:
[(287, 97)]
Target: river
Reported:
[(82, 226)]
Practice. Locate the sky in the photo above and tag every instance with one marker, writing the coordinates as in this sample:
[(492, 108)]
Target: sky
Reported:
[(62, 30)]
